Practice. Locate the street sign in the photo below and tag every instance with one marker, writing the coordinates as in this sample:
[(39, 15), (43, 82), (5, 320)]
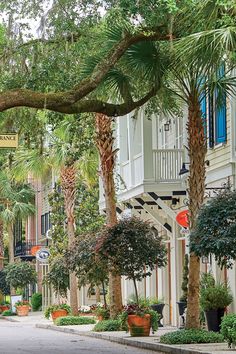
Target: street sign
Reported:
[(184, 231), (42, 255), (182, 218), (8, 140)]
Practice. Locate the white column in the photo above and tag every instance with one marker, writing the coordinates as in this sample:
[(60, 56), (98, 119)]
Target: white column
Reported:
[(174, 276)]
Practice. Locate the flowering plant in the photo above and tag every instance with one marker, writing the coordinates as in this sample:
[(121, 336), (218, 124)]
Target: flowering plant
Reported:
[(139, 310), (22, 303)]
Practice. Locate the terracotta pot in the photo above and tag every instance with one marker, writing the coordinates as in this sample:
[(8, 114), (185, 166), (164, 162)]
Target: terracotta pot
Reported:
[(100, 318), (139, 326), (22, 310), (59, 313), (4, 308)]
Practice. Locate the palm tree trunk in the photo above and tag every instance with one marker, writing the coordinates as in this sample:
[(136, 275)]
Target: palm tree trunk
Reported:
[(11, 243), (196, 188), (104, 141), (11, 250), (1, 246), (68, 183)]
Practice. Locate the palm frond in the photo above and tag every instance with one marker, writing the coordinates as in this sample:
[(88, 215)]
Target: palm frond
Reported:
[(207, 48), (30, 161)]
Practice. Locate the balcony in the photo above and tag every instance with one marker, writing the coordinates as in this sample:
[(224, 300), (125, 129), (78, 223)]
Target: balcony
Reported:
[(26, 250), (167, 164)]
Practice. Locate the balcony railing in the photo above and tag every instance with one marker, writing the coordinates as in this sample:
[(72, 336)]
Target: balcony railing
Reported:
[(25, 249), (167, 164)]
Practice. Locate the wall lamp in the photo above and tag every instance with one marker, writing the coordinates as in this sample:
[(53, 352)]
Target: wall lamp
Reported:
[(184, 170), (167, 125)]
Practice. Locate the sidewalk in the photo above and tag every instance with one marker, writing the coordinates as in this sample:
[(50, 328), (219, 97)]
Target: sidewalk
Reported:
[(152, 343)]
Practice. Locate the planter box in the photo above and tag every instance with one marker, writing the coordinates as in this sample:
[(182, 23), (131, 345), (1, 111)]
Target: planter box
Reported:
[(22, 310), (139, 326), (59, 313)]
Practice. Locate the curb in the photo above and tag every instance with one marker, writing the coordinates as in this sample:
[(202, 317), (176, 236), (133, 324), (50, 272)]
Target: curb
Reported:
[(9, 319), (163, 348)]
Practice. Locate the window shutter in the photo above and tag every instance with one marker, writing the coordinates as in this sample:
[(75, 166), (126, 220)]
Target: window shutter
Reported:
[(220, 116), (211, 121), (203, 106)]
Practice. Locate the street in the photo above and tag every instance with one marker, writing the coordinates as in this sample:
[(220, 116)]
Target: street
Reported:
[(26, 339)]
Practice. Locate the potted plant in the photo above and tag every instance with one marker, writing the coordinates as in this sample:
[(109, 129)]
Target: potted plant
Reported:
[(139, 320), (129, 246), (102, 313), (213, 300), (22, 308), (4, 306), (182, 303), (57, 310), (228, 329), (158, 306)]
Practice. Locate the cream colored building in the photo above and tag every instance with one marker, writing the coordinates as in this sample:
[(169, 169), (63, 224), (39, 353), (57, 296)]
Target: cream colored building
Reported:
[(151, 154)]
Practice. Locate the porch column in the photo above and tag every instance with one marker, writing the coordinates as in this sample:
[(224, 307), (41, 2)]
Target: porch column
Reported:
[(174, 273)]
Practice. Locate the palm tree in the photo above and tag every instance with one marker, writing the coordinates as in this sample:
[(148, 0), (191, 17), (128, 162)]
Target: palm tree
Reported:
[(105, 142), (67, 156), (16, 202)]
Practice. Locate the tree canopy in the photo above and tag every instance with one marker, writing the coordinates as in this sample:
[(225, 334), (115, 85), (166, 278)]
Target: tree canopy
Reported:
[(215, 229), (95, 56)]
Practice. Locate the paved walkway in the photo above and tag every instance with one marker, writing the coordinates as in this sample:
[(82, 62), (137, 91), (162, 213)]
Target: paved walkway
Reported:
[(148, 343)]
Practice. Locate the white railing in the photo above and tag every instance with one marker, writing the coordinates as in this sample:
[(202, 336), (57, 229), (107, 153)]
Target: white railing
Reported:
[(167, 164), (125, 174), (138, 169)]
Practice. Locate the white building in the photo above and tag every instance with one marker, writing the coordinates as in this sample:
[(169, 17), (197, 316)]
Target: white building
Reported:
[(151, 154)]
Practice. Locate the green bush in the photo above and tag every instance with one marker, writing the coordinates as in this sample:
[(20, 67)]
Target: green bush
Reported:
[(228, 328), (108, 326), (36, 301), (74, 320), (8, 313), (214, 297), (191, 336)]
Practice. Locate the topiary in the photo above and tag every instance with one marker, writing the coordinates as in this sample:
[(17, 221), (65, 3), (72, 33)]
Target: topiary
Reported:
[(184, 285), (191, 336), (36, 301)]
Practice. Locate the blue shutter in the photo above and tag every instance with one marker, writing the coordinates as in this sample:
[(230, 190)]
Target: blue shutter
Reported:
[(203, 106), (220, 117)]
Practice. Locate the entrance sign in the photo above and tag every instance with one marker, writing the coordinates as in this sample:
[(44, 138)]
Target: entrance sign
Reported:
[(42, 255), (14, 299), (182, 218), (8, 140)]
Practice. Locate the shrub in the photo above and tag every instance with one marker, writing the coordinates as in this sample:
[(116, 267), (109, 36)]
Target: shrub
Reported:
[(8, 313), (74, 320), (228, 328), (36, 301), (103, 312), (214, 297), (108, 326), (191, 336)]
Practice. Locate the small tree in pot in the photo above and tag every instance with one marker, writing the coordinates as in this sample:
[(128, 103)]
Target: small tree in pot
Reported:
[(132, 246), (214, 298)]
